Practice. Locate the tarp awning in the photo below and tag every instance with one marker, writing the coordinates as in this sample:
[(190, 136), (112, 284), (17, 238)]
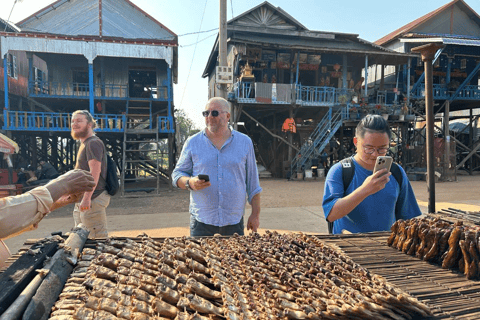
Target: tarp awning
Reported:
[(7, 145)]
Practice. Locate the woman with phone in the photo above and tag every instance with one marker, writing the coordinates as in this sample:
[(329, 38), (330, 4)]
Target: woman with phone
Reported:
[(373, 199)]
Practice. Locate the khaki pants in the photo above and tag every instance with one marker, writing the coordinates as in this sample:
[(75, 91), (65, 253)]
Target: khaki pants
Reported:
[(94, 219)]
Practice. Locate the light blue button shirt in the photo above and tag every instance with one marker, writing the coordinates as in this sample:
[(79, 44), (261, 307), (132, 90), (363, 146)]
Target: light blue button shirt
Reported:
[(233, 174)]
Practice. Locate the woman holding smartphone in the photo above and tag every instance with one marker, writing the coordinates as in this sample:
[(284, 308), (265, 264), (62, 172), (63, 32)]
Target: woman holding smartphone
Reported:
[(374, 199)]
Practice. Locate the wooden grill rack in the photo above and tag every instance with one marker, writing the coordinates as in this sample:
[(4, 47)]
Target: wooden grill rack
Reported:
[(448, 293)]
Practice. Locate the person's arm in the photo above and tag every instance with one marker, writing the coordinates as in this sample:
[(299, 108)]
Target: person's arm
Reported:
[(23, 212), (254, 219), (371, 185), (253, 189), (95, 169)]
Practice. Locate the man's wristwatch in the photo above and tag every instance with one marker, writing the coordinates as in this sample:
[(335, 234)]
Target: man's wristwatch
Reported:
[(187, 185)]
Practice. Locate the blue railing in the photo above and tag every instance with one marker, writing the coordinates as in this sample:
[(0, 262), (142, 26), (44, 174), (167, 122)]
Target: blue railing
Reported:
[(110, 122), (441, 91), (50, 121), (314, 96), (244, 91), (252, 92), (56, 89), (165, 125)]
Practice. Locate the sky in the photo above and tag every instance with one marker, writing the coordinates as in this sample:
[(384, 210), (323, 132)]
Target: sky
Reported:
[(370, 19)]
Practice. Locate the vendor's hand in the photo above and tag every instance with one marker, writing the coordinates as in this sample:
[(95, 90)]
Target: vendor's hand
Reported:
[(66, 199), (85, 204), (198, 184), (376, 181), (253, 222), (75, 181)]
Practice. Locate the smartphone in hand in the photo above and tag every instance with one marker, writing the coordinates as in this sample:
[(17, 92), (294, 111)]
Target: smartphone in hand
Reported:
[(204, 177), (383, 162)]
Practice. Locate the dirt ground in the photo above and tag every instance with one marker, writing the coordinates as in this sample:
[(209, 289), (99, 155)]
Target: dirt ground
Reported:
[(286, 206), (280, 193)]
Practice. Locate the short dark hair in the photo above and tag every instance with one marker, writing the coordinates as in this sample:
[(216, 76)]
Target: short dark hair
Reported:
[(372, 123)]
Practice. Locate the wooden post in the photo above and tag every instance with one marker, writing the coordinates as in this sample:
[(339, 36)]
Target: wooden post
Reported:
[(428, 53), (446, 124)]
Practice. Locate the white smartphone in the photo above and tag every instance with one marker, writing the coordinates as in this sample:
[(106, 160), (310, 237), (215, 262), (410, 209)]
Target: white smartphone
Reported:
[(383, 162)]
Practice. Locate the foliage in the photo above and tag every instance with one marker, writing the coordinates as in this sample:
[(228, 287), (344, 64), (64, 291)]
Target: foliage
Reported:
[(184, 127)]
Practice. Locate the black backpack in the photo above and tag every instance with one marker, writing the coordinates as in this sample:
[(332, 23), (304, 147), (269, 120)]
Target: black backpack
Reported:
[(112, 184), (348, 170)]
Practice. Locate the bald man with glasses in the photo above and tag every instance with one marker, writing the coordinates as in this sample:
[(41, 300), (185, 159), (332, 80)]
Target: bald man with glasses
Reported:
[(227, 156), (372, 201)]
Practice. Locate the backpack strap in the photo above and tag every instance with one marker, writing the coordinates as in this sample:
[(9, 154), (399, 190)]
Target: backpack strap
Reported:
[(348, 170), (397, 174)]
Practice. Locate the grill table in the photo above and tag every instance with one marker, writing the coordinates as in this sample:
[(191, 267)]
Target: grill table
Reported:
[(448, 293)]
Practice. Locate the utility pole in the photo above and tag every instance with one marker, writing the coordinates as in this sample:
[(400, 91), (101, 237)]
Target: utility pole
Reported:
[(222, 45)]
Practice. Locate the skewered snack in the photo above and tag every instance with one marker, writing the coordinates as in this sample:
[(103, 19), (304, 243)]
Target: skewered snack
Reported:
[(275, 276), (451, 245)]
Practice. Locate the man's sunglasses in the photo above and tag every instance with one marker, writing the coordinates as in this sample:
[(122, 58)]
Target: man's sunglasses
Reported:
[(215, 113)]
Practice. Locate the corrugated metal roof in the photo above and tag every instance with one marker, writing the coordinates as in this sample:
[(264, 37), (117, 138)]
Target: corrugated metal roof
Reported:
[(120, 18), (462, 42), (320, 44), (454, 41), (78, 17), (10, 27), (412, 25)]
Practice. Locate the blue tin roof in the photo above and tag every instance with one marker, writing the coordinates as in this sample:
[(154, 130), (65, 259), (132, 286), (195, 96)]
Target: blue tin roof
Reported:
[(106, 18)]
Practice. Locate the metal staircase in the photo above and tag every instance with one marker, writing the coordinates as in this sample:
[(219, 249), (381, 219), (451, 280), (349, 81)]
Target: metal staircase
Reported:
[(319, 139), (140, 172)]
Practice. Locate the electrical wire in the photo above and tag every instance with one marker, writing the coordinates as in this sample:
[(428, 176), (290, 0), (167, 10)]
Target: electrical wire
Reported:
[(7, 22), (193, 57), (191, 44), (190, 33)]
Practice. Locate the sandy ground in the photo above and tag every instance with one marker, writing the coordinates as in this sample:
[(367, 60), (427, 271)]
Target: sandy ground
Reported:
[(286, 206), (280, 193)]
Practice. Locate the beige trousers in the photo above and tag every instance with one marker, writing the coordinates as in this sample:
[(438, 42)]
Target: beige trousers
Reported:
[(95, 219)]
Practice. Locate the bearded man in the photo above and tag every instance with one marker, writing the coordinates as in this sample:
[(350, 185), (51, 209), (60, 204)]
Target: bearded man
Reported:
[(92, 157)]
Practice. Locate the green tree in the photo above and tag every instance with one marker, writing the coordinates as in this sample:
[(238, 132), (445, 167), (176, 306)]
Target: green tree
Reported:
[(184, 127)]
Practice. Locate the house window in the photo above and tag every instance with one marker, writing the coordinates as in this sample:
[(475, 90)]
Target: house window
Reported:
[(463, 64), (38, 75), (80, 81), (12, 66)]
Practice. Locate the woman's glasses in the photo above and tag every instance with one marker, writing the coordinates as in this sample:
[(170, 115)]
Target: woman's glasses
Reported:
[(214, 113)]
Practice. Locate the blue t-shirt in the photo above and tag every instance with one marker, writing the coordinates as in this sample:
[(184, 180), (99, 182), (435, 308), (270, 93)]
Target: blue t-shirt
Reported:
[(377, 211)]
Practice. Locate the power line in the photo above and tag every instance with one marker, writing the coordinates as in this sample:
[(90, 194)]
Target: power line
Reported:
[(7, 22), (187, 34), (191, 44), (193, 57)]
